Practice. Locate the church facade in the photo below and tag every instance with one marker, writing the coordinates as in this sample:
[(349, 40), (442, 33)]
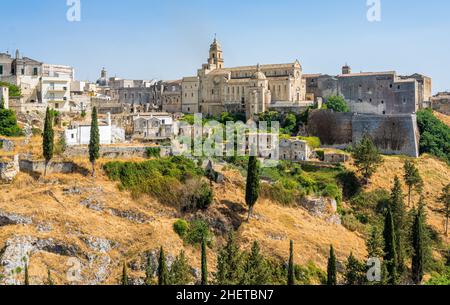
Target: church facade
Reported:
[(249, 89)]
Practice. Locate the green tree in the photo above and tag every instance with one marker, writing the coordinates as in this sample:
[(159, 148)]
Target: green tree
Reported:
[(163, 274), (398, 215), (412, 179), (337, 104), (434, 135), (27, 277), (2, 103), (14, 91), (419, 243), (355, 271), (291, 272), (253, 184), (8, 123), (48, 139), (367, 158), (204, 264), (124, 278), (94, 142), (445, 199), (149, 271), (49, 278), (331, 269), (255, 269), (229, 263), (180, 273), (390, 253), (374, 244)]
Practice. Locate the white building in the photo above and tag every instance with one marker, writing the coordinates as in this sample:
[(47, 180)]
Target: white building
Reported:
[(55, 92), (55, 70), (80, 134)]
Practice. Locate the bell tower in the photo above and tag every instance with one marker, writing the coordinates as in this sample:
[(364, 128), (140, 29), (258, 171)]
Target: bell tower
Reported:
[(216, 55)]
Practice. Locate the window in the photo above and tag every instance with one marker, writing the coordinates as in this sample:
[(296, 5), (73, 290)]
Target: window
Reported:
[(73, 136), (35, 71), (1, 70)]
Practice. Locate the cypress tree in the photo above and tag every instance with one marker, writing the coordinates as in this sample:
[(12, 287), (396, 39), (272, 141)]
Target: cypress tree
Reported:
[(252, 187), (49, 278), (229, 263), (418, 244), (94, 142), (163, 278), (354, 271), (291, 271), (398, 215), (331, 268), (374, 244), (255, 270), (180, 273), (26, 280), (149, 270), (412, 179), (204, 264), (124, 278), (48, 139), (390, 253)]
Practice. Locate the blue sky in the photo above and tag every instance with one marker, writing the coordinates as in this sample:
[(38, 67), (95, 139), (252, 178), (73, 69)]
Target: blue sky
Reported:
[(168, 39)]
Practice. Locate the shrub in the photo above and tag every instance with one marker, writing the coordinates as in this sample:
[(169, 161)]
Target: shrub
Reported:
[(163, 178), (198, 230), (320, 154), (350, 184), (337, 104), (435, 135), (14, 91), (8, 123), (332, 191), (197, 195), (153, 152), (181, 227), (313, 142)]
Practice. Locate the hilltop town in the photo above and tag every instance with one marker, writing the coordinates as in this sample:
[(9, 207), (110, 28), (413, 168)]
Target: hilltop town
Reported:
[(143, 193)]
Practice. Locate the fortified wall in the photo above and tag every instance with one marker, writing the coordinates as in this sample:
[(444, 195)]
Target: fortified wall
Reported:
[(392, 134)]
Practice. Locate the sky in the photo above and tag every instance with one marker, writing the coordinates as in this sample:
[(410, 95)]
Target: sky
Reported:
[(169, 39)]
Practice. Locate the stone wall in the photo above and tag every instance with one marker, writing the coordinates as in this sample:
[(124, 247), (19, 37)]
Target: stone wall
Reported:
[(9, 170), (393, 134), (332, 128), (115, 151), (33, 167)]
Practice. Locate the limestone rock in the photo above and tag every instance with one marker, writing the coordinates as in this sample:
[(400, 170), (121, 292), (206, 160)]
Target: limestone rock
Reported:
[(9, 170)]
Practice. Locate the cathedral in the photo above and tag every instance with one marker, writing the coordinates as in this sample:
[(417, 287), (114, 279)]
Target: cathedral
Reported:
[(248, 89)]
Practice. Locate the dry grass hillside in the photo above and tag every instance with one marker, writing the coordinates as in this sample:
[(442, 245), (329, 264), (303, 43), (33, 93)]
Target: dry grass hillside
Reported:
[(103, 226), (436, 175), (64, 216)]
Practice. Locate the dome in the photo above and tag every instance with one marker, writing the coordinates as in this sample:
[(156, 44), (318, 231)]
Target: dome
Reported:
[(258, 74)]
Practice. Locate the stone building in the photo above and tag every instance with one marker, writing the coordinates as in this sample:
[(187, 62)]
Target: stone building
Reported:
[(250, 89), (152, 126), (294, 150), (441, 102), (379, 93), (171, 96)]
